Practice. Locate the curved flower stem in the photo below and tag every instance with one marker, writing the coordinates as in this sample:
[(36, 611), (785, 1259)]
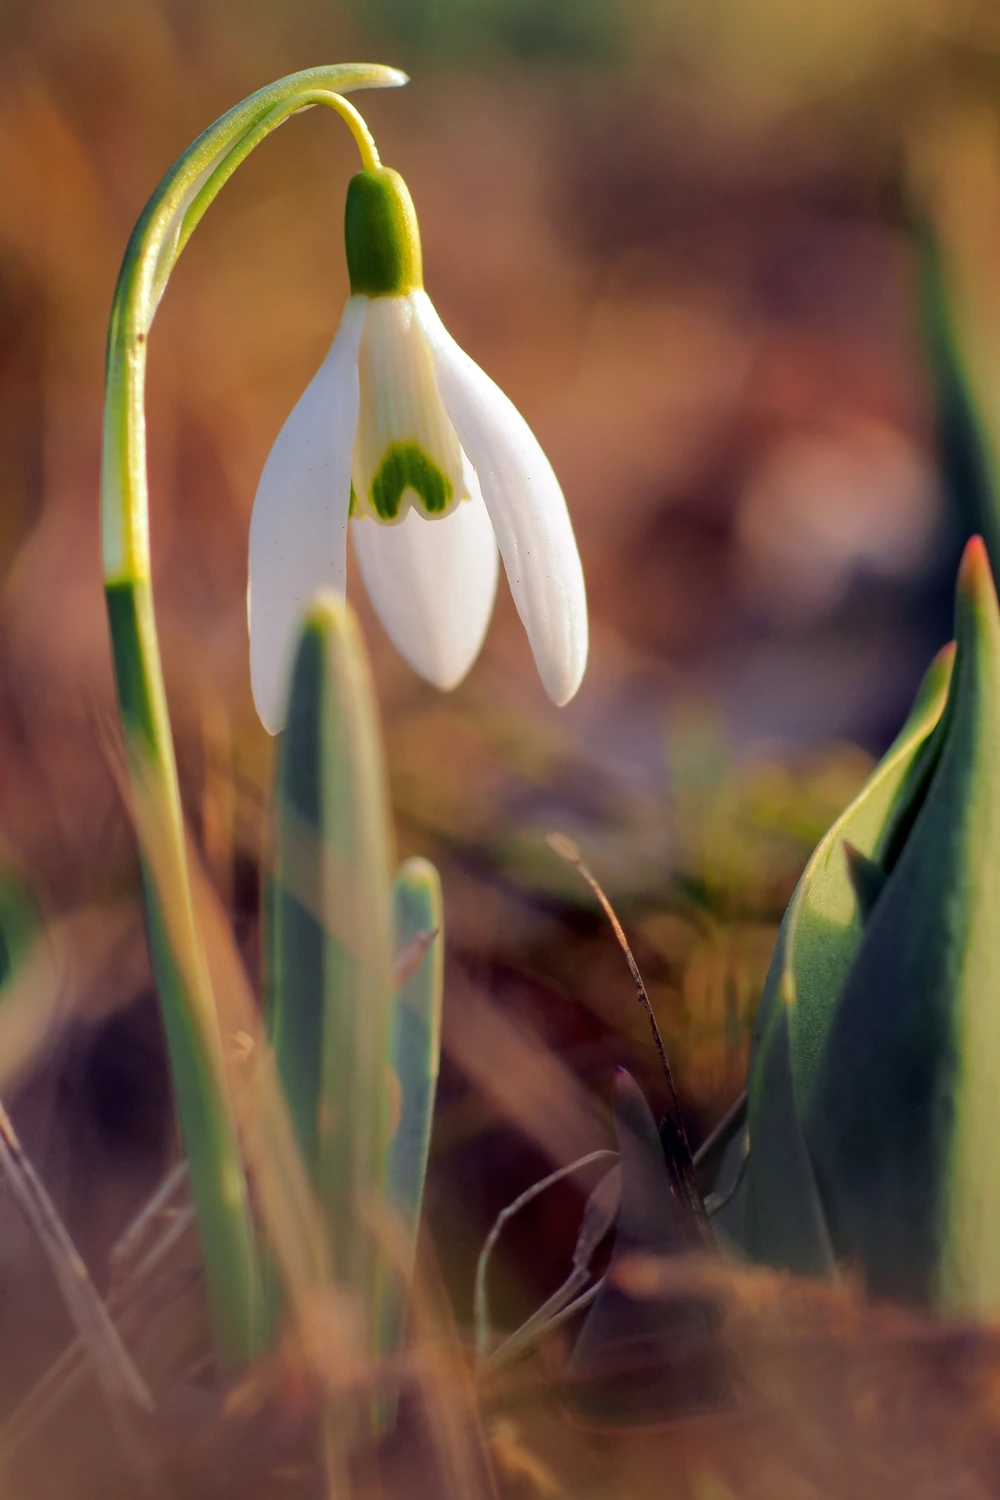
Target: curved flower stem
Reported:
[(194, 1040), (227, 165)]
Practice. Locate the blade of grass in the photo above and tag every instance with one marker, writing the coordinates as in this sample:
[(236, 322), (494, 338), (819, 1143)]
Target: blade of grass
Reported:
[(126, 1392), (126, 1248), (129, 1307), (681, 1156), (447, 1393), (118, 1375), (128, 1274), (481, 1309)]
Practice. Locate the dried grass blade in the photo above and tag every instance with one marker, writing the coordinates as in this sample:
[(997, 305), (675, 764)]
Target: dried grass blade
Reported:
[(126, 1392), (682, 1163)]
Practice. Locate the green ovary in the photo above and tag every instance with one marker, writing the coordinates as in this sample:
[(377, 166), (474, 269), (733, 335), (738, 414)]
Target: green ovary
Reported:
[(406, 466)]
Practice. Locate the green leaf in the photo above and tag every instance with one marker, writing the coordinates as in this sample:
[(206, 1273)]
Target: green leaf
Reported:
[(183, 982), (904, 1114), (415, 1056), (967, 452), (776, 1213), (867, 878), (824, 924), (329, 967)]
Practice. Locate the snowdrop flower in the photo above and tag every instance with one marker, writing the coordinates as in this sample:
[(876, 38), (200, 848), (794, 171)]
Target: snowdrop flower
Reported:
[(402, 434)]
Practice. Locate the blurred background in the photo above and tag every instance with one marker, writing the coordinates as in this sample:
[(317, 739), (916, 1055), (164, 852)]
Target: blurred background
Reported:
[(682, 235)]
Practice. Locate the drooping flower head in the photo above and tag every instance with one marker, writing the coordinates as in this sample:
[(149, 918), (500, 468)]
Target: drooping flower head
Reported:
[(403, 435)]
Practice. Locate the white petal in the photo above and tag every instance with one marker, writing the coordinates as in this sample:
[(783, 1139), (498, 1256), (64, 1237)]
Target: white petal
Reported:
[(433, 584), (403, 429), (298, 529), (526, 506)]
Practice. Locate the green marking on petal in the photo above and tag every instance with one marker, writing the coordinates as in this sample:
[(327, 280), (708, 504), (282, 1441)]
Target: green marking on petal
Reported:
[(406, 466), (352, 504)]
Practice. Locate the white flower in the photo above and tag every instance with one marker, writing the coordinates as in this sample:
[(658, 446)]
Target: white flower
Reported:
[(402, 432)]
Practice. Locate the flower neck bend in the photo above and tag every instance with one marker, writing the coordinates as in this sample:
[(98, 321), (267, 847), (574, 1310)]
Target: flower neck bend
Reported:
[(382, 235)]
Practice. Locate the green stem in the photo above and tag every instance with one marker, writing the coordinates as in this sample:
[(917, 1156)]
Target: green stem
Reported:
[(194, 1039), (227, 164)]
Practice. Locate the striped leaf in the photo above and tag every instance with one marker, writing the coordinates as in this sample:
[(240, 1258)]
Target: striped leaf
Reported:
[(904, 1111), (329, 963), (415, 1057), (776, 1214)]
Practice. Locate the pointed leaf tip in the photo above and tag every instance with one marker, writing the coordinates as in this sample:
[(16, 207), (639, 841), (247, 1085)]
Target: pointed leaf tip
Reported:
[(902, 1111), (977, 613), (328, 611), (975, 574)]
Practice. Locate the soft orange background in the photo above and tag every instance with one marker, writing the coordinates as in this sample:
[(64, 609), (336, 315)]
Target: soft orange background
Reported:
[(677, 237)]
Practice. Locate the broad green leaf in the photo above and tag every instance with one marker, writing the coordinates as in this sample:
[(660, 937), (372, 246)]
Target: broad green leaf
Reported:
[(868, 879), (904, 1113), (824, 922), (776, 1212)]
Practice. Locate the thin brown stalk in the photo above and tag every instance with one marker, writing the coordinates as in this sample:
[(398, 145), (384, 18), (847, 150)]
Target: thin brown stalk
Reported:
[(126, 1392), (481, 1300), (446, 1391), (125, 1251), (560, 844), (130, 1276)]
